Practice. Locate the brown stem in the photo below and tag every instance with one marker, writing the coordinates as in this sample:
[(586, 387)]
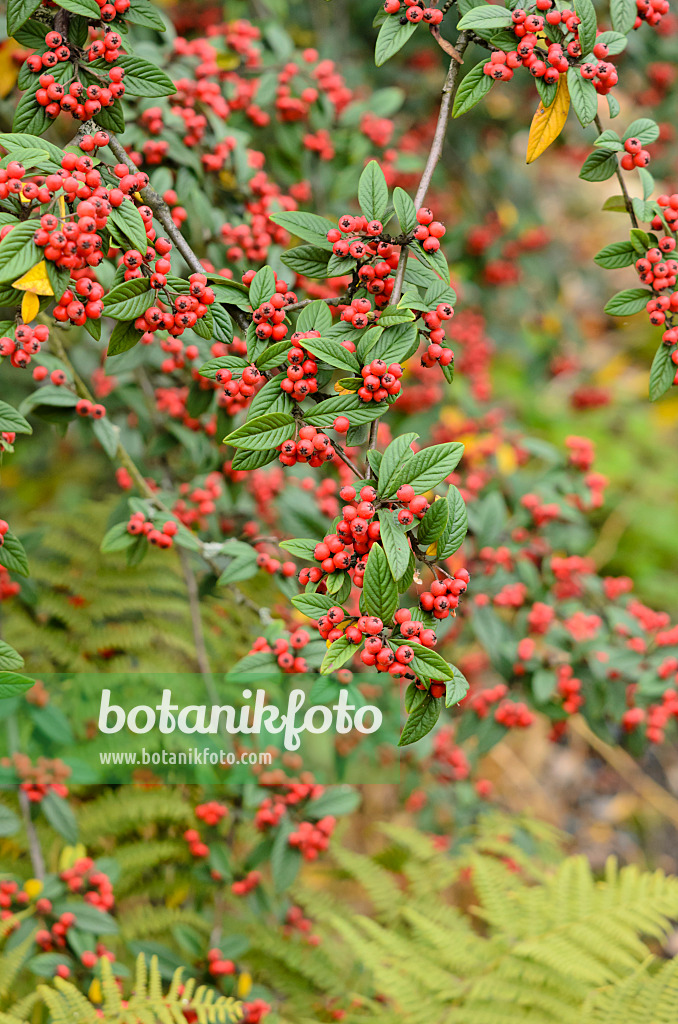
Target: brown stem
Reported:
[(449, 92), (628, 202), (163, 214), (34, 848)]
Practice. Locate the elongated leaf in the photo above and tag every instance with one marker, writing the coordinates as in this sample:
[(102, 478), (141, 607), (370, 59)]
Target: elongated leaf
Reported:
[(373, 191), (11, 420), (392, 37), (380, 593), (18, 251), (429, 467), (9, 658), (128, 220), (616, 255), (332, 352), (548, 122), (628, 302), (313, 605), (434, 522), (405, 210), (315, 317), (488, 16), (474, 85), (395, 543), (129, 300), (662, 372), (124, 336), (623, 13), (339, 652), (19, 11), (599, 165), (309, 260), (453, 535), (395, 457), (262, 287), (588, 26), (421, 720), (457, 689), (308, 226), (141, 77), (13, 556), (12, 684), (583, 96), (262, 432)]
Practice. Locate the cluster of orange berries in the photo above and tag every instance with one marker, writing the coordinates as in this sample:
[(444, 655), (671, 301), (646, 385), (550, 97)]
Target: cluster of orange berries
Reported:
[(300, 377), (186, 309), (139, 526), (27, 342), (287, 652), (212, 812), (569, 688), (243, 886), (81, 101), (312, 446), (414, 11), (217, 966), (296, 921), (436, 351), (39, 779), (88, 881), (107, 49), (273, 808), (380, 381), (311, 839), (269, 316), (443, 597)]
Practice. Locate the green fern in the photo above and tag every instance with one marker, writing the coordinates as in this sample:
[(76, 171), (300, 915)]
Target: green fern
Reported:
[(489, 935), (87, 611)]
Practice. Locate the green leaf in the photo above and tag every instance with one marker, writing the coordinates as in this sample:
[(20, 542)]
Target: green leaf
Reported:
[(271, 398), (644, 129), (107, 435), (616, 42), (233, 363), (339, 652), (599, 165), (662, 372), (395, 457), (453, 535), (428, 664), (336, 800), (88, 918), (59, 814), (124, 336), (396, 344), (421, 720), (141, 12), (15, 143), (11, 420), (129, 300), (141, 77), (380, 593), (313, 605), (457, 689), (405, 209), (489, 16), (628, 302), (616, 255), (9, 658), (266, 431), (117, 538), (308, 226), (19, 11), (262, 287), (623, 14), (395, 543), (543, 685), (13, 556), (111, 118), (583, 96), (434, 522), (128, 220), (222, 325), (392, 37), (273, 356), (315, 317), (87, 8), (9, 822), (300, 548), (309, 260), (242, 566), (12, 684), (352, 406), (332, 352), (18, 251), (429, 467), (474, 85), (373, 192), (247, 461), (29, 116), (588, 26), (285, 859)]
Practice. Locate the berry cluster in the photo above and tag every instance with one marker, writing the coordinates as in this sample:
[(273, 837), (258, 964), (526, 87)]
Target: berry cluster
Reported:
[(269, 316), (380, 381), (139, 526), (287, 652), (244, 886), (311, 446), (217, 966), (436, 352), (39, 779), (443, 597), (90, 410), (311, 839), (414, 11), (635, 155), (300, 378), (87, 880), (212, 812), (80, 100), (185, 311), (26, 343)]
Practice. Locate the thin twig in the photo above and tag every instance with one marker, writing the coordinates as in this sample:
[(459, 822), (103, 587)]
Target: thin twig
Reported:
[(628, 202), (449, 92), (163, 214), (34, 848)]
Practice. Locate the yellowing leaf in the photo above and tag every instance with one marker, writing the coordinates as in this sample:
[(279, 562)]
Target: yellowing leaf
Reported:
[(9, 67), (33, 887), (244, 985), (30, 307), (35, 280), (70, 854), (95, 993), (548, 122), (432, 549)]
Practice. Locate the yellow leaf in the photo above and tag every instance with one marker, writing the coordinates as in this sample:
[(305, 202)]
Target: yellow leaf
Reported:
[(548, 122), (432, 549), (95, 993), (244, 986), (33, 887), (70, 854), (9, 68), (30, 307), (35, 280)]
